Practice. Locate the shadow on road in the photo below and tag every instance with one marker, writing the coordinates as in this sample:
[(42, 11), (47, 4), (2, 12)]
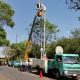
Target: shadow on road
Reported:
[(61, 77), (1, 69), (64, 78)]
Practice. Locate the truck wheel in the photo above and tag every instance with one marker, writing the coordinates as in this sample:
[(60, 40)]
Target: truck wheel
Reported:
[(29, 69), (56, 74), (38, 71)]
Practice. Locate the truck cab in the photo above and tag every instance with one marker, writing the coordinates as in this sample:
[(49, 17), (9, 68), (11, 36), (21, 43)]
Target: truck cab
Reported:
[(66, 64)]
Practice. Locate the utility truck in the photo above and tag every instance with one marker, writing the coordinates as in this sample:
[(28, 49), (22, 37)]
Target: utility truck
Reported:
[(64, 64)]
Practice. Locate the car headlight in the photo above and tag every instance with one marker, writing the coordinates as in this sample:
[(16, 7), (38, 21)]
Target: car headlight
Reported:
[(65, 72)]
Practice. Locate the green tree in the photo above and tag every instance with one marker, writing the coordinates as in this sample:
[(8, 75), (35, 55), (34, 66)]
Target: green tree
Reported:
[(2, 33), (6, 14), (19, 49), (38, 35), (75, 36), (75, 33), (51, 31), (50, 49), (35, 50), (73, 4), (3, 40)]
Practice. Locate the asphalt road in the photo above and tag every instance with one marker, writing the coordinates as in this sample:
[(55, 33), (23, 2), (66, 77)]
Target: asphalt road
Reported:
[(9, 73)]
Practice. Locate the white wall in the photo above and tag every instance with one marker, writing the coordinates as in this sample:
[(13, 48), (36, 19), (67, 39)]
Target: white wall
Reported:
[(2, 52)]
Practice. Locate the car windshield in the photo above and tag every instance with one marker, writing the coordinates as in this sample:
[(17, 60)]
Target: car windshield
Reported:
[(71, 59)]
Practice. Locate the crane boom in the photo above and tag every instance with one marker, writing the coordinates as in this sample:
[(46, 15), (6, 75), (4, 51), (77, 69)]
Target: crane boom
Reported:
[(28, 42), (32, 29), (38, 14)]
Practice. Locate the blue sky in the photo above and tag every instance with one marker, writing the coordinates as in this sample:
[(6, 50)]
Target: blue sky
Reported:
[(57, 13)]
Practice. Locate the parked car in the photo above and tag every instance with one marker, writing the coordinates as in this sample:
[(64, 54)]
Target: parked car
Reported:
[(17, 64), (10, 63)]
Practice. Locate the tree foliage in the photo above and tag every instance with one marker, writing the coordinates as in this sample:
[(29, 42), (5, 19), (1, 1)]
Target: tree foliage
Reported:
[(73, 4), (6, 14), (3, 40), (75, 33), (2, 33), (35, 50), (69, 45), (19, 49), (38, 32), (38, 35)]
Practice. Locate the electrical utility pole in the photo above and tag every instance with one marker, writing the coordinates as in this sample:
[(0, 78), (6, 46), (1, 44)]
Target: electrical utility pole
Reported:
[(41, 7), (44, 17)]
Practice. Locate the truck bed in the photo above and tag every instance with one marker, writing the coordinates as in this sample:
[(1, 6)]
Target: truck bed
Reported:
[(39, 62), (43, 63)]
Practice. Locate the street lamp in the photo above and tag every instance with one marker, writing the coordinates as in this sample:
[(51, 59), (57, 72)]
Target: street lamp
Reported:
[(42, 51)]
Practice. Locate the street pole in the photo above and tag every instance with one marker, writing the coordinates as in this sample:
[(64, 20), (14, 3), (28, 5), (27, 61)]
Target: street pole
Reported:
[(42, 8), (44, 30), (44, 16)]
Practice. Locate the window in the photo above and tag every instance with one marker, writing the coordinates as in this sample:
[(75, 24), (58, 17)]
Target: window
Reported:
[(59, 59)]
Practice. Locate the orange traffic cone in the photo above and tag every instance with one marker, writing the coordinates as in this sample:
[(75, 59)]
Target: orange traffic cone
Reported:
[(40, 74)]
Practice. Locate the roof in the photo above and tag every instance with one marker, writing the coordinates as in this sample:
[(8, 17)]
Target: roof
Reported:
[(68, 54)]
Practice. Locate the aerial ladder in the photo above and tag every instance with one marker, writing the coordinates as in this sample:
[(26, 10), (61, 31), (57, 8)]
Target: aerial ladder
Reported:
[(38, 14)]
